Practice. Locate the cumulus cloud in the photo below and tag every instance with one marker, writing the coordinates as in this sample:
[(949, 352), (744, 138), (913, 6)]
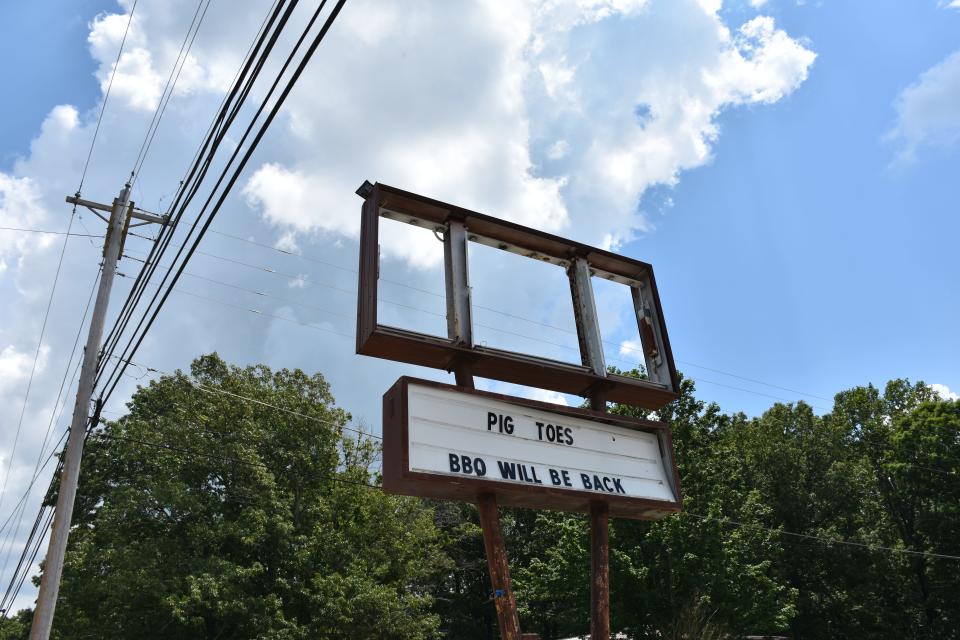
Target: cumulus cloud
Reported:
[(558, 150), (581, 68), (927, 113), (632, 349), (548, 396), (15, 366), (944, 392), (20, 207)]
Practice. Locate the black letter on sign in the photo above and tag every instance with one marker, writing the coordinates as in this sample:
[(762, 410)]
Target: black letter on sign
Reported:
[(507, 470), (454, 463), (508, 424), (554, 477), (585, 479), (479, 466), (491, 420)]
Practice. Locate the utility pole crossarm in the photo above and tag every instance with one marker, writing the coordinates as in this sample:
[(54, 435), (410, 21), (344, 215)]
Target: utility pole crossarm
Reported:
[(139, 214)]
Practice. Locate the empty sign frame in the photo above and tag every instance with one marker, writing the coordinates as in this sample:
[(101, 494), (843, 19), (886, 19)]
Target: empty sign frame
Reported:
[(459, 227)]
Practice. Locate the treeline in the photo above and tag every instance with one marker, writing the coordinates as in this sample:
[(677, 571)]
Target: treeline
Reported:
[(203, 515)]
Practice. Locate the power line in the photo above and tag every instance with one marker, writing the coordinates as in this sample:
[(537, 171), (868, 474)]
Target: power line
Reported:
[(194, 452), (546, 325), (54, 417), (33, 480), (823, 539), (36, 357), (106, 96), (56, 233), (402, 305), (301, 277), (258, 312), (196, 173), (23, 566), (264, 403), (167, 93), (135, 342)]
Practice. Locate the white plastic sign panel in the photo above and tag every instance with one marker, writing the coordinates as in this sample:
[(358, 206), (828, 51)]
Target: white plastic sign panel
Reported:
[(518, 445)]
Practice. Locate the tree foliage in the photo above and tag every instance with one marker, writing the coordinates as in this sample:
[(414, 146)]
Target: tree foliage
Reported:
[(203, 515)]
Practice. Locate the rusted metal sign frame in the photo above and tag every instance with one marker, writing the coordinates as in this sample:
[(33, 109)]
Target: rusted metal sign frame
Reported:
[(398, 478), (457, 350)]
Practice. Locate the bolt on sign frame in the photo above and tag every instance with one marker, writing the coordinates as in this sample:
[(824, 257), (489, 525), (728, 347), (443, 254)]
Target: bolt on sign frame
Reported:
[(458, 353), (461, 226)]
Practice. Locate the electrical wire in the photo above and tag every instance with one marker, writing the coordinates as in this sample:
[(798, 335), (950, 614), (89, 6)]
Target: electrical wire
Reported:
[(36, 357), (302, 278), (278, 103), (106, 96), (263, 403), (223, 117), (55, 416), (23, 497), (538, 323), (23, 566), (56, 233), (168, 89), (197, 171)]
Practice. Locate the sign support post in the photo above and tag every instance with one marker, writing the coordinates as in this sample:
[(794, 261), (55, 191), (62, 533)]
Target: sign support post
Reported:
[(599, 571), (460, 331), (591, 353), (503, 597)]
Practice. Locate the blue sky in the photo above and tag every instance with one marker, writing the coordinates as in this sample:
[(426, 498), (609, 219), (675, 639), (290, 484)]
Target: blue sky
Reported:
[(802, 253), (789, 168)]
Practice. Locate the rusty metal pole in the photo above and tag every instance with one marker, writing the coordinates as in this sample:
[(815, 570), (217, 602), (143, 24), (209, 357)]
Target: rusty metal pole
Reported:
[(599, 571), (599, 555), (503, 596), (460, 332)]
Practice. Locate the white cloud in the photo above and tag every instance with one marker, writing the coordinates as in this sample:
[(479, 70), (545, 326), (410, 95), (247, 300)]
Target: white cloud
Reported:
[(756, 4), (632, 349), (927, 113), (547, 396), (950, 4), (546, 67), (944, 392), (20, 207), (556, 77), (15, 366), (644, 106), (558, 150)]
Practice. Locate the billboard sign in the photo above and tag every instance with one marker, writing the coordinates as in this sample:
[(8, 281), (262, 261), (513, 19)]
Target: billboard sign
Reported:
[(448, 442)]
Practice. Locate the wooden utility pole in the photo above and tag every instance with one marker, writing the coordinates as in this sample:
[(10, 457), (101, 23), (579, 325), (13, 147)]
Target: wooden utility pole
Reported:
[(121, 211)]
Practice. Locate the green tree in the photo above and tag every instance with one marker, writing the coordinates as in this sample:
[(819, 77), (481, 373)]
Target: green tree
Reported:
[(204, 515)]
